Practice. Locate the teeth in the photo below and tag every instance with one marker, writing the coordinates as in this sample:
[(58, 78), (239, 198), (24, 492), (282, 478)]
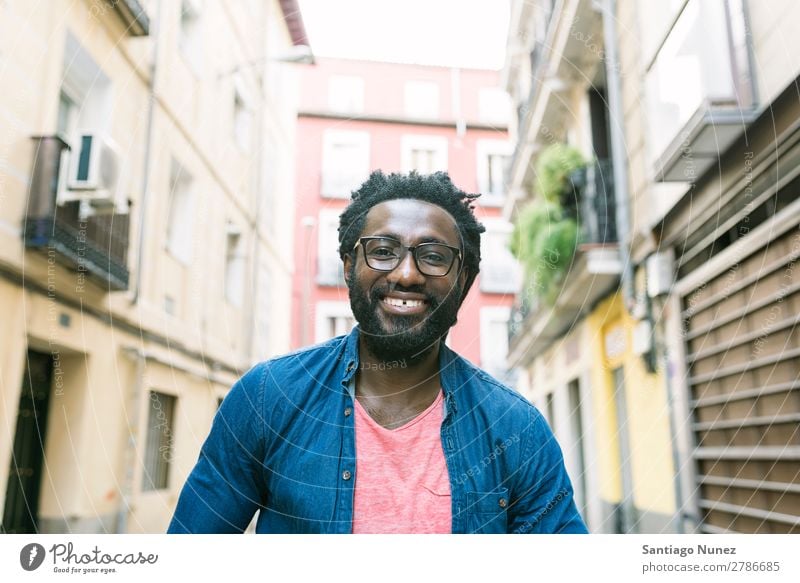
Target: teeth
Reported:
[(407, 303)]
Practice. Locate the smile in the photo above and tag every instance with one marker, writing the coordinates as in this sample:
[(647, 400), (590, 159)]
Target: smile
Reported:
[(404, 306), (400, 303)]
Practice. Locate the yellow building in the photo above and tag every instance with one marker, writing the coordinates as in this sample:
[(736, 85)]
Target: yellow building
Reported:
[(146, 215), (703, 124), (585, 359)]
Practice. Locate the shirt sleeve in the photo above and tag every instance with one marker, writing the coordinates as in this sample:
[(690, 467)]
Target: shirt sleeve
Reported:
[(543, 500), (226, 486)]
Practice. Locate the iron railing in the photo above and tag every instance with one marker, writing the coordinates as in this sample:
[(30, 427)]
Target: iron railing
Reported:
[(96, 245)]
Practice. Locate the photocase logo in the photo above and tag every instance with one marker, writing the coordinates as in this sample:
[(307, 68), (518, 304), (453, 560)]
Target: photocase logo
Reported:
[(31, 556)]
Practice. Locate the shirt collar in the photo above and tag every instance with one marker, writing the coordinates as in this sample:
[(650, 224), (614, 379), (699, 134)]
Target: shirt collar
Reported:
[(448, 369)]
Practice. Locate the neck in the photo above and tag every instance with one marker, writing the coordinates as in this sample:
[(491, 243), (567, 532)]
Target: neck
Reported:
[(400, 379)]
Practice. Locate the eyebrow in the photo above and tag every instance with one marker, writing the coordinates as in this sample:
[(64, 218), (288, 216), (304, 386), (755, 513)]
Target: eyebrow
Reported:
[(421, 240)]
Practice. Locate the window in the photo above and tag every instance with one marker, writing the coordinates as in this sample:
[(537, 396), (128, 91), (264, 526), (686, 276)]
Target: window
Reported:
[(159, 445), (500, 272), (702, 63), (329, 265), (333, 319), (180, 214), (345, 162), (422, 99), (346, 94), (551, 410), (491, 164), (234, 266), (242, 117), (577, 445), (190, 39), (494, 106), (425, 154), (67, 115), (494, 339), (169, 305), (84, 109), (494, 165)]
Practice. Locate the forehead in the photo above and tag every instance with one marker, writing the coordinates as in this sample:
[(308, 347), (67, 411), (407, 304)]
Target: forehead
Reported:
[(412, 221)]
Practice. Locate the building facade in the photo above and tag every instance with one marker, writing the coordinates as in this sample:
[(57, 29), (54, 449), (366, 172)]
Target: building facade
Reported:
[(713, 184), (359, 116), (145, 262), (690, 349)]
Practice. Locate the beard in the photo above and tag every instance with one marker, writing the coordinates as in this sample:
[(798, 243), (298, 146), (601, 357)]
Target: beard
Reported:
[(399, 337)]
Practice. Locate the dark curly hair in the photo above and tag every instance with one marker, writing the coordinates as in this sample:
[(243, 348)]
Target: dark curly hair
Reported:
[(434, 188)]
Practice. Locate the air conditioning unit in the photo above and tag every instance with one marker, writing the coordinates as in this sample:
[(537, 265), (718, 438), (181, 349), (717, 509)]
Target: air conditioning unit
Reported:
[(92, 173)]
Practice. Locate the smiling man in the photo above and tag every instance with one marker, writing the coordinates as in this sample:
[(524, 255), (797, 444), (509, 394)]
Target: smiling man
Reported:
[(384, 430)]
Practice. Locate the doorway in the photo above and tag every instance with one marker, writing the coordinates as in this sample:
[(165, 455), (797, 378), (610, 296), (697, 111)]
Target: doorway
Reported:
[(625, 519), (21, 508)]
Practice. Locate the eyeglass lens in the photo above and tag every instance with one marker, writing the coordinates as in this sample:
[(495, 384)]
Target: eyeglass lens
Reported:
[(385, 255)]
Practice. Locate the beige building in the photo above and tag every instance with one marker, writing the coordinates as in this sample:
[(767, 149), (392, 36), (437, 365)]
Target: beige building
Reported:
[(146, 212)]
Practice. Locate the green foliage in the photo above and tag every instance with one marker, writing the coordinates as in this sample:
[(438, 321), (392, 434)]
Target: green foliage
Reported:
[(553, 168), (544, 242), (545, 237)]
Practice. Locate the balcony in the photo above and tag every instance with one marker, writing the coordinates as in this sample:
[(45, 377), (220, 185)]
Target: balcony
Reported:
[(133, 16), (558, 66), (593, 273), (596, 215), (94, 245), (700, 91)]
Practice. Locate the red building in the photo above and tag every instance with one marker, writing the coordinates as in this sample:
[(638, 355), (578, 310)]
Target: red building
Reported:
[(359, 116)]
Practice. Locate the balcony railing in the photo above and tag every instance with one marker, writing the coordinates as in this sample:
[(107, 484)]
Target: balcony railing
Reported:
[(594, 204), (95, 245)]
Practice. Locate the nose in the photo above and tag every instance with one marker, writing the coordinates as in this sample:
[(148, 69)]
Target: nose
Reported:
[(406, 273)]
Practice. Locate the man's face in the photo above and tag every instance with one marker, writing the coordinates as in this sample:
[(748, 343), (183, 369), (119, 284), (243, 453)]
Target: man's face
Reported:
[(394, 332)]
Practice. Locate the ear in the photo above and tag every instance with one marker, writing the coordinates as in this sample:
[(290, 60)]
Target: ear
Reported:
[(348, 262), (462, 282)]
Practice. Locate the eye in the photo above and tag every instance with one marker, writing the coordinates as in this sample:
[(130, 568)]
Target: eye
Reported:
[(382, 252), (433, 258)]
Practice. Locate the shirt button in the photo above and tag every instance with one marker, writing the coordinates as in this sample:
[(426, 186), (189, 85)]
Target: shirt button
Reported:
[(503, 502), (346, 475), (348, 411)]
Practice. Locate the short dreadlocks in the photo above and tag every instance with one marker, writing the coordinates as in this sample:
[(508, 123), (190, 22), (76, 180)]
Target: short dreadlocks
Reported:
[(434, 188)]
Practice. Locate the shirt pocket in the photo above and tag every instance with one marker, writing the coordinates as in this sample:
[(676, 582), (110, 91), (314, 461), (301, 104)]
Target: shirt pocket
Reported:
[(487, 512)]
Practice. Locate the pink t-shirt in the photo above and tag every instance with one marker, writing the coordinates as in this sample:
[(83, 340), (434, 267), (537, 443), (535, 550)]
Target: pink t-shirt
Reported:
[(402, 485)]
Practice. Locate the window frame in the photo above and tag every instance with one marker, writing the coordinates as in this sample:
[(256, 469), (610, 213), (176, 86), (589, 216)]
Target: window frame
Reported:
[(159, 480)]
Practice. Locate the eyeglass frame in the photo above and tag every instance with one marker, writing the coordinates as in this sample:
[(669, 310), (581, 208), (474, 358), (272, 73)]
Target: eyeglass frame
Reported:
[(413, 250)]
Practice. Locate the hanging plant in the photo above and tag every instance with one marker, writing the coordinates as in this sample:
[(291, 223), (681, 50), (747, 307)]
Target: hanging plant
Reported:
[(544, 242), (556, 166), (546, 232)]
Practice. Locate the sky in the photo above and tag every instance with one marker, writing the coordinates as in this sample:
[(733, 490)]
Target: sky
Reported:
[(456, 33)]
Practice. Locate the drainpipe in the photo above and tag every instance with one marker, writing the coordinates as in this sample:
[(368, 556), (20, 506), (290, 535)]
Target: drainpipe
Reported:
[(250, 320), (148, 146), (618, 152)]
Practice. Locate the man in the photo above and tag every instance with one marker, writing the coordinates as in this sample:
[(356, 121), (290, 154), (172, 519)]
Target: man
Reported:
[(385, 429)]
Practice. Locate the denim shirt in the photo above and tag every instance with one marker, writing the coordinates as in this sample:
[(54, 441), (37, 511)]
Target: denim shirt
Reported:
[(283, 444)]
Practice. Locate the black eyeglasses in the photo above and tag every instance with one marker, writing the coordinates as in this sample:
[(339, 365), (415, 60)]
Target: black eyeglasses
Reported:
[(431, 259)]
